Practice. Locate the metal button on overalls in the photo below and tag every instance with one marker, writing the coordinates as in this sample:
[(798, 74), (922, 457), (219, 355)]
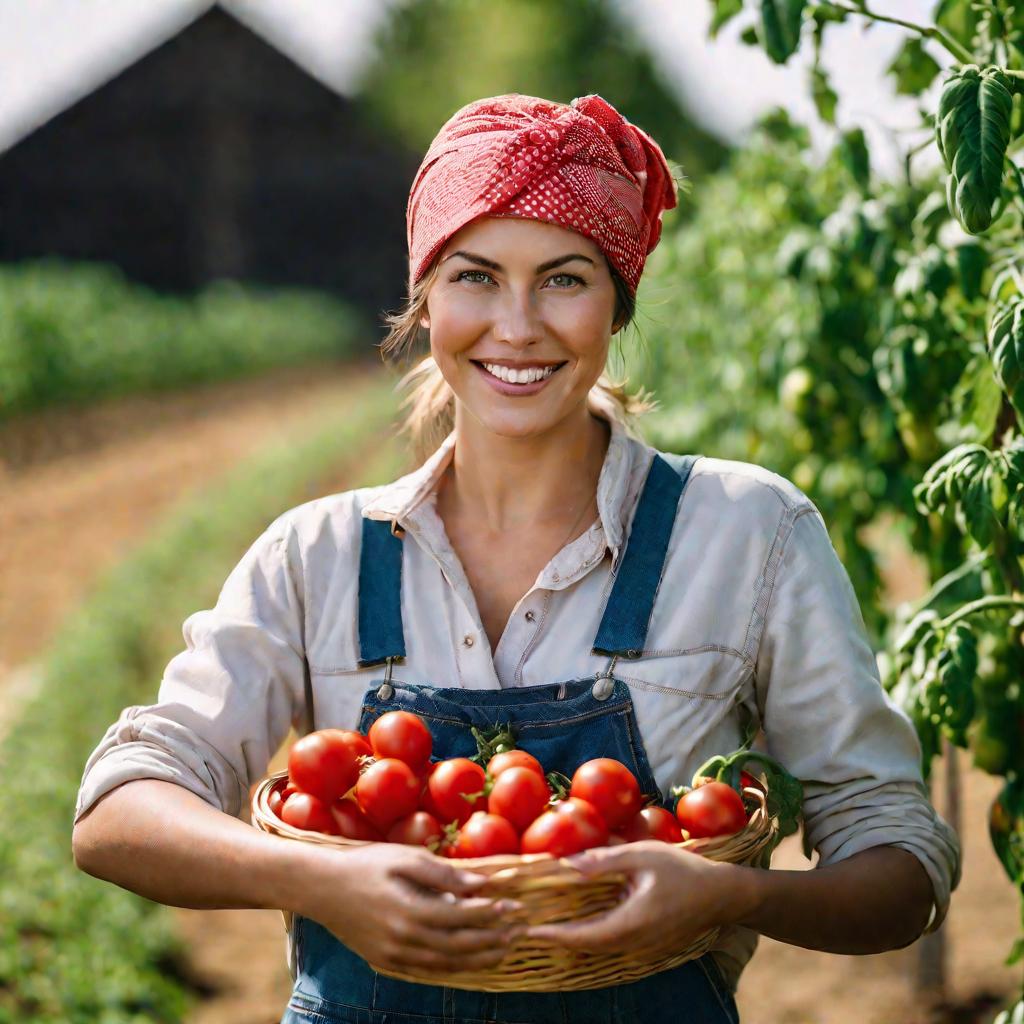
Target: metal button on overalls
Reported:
[(563, 724)]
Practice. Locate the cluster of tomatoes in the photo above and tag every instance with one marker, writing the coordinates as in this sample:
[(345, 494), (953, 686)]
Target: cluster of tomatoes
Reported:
[(384, 787)]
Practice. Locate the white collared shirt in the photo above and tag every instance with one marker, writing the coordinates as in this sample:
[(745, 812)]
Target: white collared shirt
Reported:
[(755, 616)]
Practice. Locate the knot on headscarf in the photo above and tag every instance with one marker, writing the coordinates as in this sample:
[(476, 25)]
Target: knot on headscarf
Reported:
[(582, 166)]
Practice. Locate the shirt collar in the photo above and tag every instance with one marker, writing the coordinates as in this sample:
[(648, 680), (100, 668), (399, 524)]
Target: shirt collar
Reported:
[(396, 501)]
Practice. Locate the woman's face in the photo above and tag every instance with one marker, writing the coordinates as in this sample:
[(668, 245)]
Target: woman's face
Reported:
[(526, 300)]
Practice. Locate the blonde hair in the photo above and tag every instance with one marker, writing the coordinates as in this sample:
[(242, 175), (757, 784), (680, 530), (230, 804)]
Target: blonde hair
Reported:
[(430, 401)]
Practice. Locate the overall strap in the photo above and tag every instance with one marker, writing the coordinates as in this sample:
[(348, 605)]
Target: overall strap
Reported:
[(623, 629), (380, 594)]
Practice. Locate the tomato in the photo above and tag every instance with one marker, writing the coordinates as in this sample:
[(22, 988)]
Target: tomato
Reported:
[(609, 786), (513, 759), (652, 823), (403, 735), (746, 779), (274, 802), (519, 795), (456, 788), (571, 826), (388, 790), (486, 835), (351, 822), (714, 809), (303, 810), (416, 829), (326, 762)]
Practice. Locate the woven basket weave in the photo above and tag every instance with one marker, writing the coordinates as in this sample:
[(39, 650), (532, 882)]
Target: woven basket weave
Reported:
[(550, 891)]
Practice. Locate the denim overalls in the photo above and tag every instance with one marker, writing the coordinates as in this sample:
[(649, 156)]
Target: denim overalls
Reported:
[(563, 724)]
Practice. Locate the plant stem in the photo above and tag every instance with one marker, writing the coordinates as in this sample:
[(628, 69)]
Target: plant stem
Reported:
[(929, 31), (983, 604)]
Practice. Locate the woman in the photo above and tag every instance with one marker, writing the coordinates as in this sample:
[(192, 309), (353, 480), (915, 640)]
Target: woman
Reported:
[(544, 566)]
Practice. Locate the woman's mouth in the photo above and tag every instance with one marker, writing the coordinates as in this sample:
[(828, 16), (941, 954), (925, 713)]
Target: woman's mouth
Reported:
[(507, 380)]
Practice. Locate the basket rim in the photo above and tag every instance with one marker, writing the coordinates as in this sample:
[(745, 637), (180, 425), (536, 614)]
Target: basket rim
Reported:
[(759, 831)]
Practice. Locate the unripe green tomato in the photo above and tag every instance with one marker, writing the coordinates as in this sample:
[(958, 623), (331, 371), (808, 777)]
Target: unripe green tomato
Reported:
[(988, 752)]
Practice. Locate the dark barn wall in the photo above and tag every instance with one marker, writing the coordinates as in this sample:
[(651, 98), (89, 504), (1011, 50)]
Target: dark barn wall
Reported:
[(215, 156)]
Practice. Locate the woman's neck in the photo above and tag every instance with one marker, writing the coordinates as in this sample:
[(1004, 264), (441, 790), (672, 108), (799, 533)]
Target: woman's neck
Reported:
[(512, 483)]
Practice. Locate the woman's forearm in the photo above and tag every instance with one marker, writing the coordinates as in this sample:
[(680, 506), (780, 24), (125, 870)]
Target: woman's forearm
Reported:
[(165, 843), (876, 900)]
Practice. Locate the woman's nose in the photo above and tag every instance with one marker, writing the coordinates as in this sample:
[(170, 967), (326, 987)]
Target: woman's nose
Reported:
[(518, 320)]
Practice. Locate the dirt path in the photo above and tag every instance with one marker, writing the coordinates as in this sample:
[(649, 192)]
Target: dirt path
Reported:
[(78, 490)]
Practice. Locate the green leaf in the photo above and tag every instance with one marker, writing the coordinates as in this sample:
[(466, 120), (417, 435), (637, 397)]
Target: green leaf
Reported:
[(824, 95), (962, 480), (1016, 953), (972, 130), (853, 152), (914, 68), (959, 18), (976, 400), (724, 11), (1006, 349), (750, 37), (780, 24)]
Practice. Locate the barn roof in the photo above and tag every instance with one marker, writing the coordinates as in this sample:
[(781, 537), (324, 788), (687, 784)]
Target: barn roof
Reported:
[(62, 50)]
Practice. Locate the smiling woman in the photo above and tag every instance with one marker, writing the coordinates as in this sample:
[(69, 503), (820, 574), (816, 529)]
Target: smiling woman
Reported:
[(548, 569), (454, 288)]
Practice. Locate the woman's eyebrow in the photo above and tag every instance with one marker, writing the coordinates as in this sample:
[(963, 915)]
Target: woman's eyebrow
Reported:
[(491, 265)]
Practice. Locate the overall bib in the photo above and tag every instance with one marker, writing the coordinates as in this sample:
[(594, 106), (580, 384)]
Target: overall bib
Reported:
[(563, 724)]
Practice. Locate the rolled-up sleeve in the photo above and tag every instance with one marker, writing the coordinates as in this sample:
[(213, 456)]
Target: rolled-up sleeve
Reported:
[(827, 718), (227, 700)]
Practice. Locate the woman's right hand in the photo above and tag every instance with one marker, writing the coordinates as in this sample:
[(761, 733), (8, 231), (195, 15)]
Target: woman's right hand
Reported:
[(402, 906)]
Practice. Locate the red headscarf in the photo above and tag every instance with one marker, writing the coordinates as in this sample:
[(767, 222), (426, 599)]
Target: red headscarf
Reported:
[(581, 166)]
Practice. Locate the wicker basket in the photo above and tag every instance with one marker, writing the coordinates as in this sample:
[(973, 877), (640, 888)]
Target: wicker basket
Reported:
[(549, 890)]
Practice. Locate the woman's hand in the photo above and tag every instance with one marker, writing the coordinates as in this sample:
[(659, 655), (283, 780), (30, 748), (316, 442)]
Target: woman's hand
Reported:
[(672, 896), (401, 906)]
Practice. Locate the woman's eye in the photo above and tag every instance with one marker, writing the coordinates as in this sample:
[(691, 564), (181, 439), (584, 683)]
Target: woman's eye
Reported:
[(571, 278), (480, 273)]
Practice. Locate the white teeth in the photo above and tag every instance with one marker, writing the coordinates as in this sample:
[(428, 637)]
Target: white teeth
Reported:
[(525, 376)]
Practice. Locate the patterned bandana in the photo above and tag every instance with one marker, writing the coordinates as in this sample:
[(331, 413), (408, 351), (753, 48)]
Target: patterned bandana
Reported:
[(581, 166)]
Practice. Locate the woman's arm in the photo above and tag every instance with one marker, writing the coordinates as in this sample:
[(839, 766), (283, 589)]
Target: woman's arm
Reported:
[(875, 901), (165, 843)]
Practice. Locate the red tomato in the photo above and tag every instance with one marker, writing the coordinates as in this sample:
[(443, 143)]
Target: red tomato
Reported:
[(520, 795), (653, 823), (714, 809), (456, 789), (513, 759), (326, 762), (403, 735), (746, 779), (388, 790), (416, 829), (303, 810), (426, 800), (351, 821), (485, 835), (274, 802), (609, 786), (571, 826)]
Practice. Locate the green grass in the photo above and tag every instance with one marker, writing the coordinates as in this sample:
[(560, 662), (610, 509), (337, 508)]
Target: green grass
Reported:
[(75, 333), (74, 950)]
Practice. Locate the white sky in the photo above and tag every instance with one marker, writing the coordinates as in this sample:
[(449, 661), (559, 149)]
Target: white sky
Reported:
[(55, 50)]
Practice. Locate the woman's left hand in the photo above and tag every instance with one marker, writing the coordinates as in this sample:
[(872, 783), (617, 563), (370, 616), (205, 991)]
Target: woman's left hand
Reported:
[(672, 896)]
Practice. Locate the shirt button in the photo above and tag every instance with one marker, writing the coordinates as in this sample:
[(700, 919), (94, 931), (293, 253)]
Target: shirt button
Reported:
[(468, 640), (530, 616)]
